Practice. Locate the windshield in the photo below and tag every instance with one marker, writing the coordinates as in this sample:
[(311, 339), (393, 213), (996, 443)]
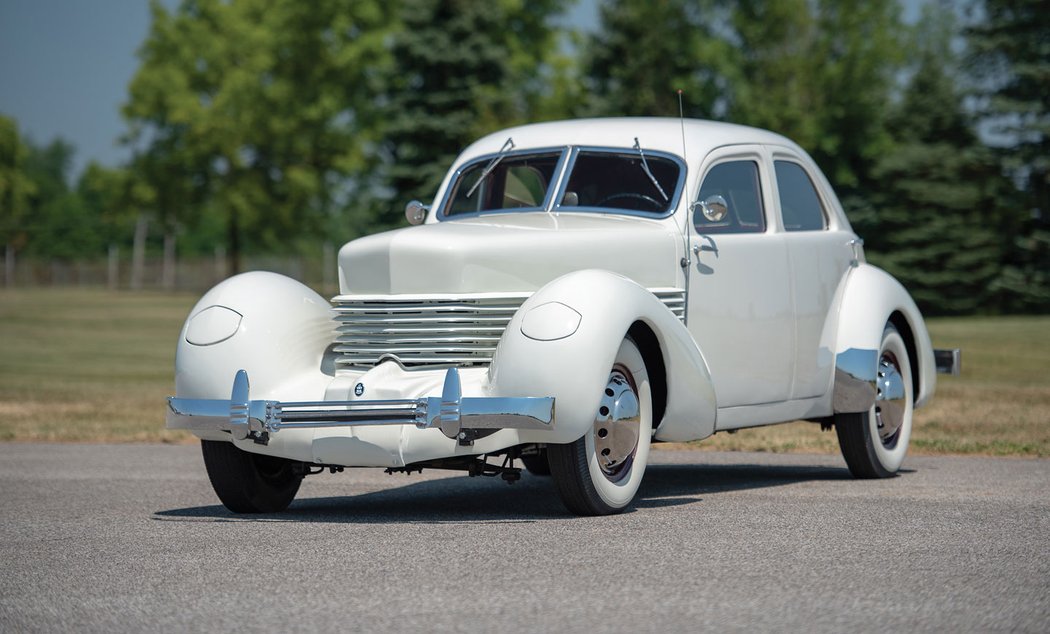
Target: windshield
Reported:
[(516, 182), (598, 180), (615, 180)]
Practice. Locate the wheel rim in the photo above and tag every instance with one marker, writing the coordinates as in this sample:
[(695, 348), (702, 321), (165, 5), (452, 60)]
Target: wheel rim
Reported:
[(617, 425), (890, 400)]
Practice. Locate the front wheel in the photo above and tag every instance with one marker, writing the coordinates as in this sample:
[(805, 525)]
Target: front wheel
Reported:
[(874, 442), (599, 473), (247, 482)]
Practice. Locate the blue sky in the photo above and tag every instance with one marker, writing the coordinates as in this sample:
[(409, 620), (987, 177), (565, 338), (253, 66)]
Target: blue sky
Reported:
[(64, 69)]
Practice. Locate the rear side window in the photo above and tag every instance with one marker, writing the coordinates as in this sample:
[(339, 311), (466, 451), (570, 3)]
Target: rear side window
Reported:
[(799, 204), (738, 183)]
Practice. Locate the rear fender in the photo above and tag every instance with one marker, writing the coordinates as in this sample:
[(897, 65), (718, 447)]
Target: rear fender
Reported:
[(872, 299)]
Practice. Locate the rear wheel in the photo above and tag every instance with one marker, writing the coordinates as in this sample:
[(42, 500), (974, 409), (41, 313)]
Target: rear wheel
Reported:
[(250, 483), (874, 442), (599, 473)]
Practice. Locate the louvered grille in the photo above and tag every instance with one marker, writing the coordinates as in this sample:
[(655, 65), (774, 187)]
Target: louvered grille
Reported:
[(673, 298), (433, 330)]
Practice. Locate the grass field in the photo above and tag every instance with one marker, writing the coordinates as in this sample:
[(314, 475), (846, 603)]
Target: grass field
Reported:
[(82, 365)]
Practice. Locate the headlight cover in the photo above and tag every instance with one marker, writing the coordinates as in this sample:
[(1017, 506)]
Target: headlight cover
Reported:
[(550, 321), (213, 325)]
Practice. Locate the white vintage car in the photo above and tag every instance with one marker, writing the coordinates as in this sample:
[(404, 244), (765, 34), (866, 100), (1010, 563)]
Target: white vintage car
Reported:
[(577, 291)]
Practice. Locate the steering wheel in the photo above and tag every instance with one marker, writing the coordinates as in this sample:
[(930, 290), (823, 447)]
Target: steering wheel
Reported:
[(652, 202)]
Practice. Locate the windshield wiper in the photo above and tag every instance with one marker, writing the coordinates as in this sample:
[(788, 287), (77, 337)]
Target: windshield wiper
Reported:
[(645, 166), (493, 163)]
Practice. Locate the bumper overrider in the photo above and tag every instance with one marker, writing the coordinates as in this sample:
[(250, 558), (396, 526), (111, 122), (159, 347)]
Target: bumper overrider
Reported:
[(463, 419)]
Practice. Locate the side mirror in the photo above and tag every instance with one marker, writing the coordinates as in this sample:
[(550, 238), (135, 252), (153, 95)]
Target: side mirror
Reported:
[(416, 212), (714, 209)]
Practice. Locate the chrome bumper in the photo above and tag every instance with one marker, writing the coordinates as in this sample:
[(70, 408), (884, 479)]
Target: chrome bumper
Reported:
[(457, 417)]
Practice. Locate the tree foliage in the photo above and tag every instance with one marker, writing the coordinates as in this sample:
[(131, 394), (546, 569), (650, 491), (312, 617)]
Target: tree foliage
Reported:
[(16, 187), (932, 219), (820, 73), (645, 51), (275, 124), (261, 107), (1010, 44), (463, 68)]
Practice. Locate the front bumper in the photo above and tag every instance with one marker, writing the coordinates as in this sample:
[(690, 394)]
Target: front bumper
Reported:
[(463, 419)]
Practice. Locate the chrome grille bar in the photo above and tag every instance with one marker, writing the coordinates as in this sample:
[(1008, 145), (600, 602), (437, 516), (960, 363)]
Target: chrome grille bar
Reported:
[(434, 330)]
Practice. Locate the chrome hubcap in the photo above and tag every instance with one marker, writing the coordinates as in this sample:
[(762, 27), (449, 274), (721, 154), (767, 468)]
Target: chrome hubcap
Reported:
[(890, 399), (617, 426)]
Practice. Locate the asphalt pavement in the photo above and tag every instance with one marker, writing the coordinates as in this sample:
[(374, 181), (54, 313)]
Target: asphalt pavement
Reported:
[(130, 538)]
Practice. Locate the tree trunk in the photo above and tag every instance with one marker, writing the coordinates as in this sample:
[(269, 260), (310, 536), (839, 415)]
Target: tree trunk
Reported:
[(233, 237), (168, 270), (220, 263), (113, 268), (328, 268), (9, 267), (138, 252)]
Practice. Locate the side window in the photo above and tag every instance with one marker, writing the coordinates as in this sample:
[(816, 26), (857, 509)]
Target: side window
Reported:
[(799, 203), (738, 183)]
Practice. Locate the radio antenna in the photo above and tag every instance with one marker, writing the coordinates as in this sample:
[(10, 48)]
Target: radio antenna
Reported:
[(686, 260), (681, 119)]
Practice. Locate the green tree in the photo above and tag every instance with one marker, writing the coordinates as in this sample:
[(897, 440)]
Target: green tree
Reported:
[(106, 195), (259, 107), (462, 68), (57, 224), (645, 51), (1010, 44), (820, 73), (932, 220), (16, 187)]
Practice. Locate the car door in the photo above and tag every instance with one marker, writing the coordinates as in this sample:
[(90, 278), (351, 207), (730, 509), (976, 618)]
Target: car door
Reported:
[(740, 310), (819, 253)]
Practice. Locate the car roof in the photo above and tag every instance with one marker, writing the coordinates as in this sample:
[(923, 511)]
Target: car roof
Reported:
[(654, 133)]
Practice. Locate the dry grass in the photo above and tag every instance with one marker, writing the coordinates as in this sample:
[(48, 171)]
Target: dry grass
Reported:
[(87, 365), (91, 366)]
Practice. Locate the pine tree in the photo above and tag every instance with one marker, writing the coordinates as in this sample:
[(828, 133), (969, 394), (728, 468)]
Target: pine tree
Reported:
[(933, 222), (1010, 45), (646, 50), (462, 68)]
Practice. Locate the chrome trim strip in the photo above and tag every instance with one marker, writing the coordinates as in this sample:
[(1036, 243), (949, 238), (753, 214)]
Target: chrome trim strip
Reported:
[(856, 372), (948, 361), (451, 412)]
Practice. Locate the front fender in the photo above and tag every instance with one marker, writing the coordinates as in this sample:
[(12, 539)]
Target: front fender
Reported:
[(270, 325), (872, 299), (574, 368)]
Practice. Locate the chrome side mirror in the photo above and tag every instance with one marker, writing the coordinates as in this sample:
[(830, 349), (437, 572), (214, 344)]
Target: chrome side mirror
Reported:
[(714, 208), (416, 212)]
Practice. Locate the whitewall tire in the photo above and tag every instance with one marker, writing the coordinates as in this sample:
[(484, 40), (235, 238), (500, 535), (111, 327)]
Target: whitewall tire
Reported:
[(874, 442), (599, 473)]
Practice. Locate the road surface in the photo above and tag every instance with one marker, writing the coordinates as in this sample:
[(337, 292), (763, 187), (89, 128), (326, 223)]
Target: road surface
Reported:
[(131, 538)]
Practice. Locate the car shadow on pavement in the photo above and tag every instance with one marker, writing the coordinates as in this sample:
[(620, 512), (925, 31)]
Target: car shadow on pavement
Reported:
[(485, 500), (667, 485)]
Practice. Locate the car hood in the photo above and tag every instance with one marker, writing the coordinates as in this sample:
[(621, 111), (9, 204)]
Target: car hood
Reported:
[(508, 253)]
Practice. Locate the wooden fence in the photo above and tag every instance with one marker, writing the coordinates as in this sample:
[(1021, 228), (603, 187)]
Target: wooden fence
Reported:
[(119, 272)]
